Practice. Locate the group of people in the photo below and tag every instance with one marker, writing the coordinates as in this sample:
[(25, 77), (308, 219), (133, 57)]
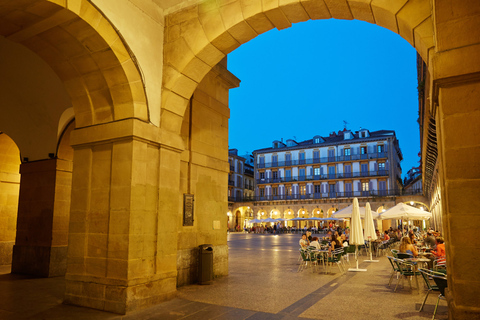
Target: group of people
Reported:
[(336, 239), (434, 246)]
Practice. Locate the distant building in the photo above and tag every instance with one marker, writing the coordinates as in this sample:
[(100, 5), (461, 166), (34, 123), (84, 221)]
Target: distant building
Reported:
[(236, 176), (248, 177), (413, 181), (343, 164)]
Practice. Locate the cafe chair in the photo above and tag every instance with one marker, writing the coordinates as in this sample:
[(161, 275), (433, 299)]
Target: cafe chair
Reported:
[(440, 264), (309, 259), (404, 255), (336, 257), (406, 270), (395, 269), (440, 285)]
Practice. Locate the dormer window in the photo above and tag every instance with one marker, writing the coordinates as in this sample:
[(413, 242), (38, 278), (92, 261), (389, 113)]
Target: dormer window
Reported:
[(318, 139), (364, 133)]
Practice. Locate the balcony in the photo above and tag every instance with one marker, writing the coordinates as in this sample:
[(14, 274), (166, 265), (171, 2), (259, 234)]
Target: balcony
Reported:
[(353, 157), (325, 176), (328, 195), (231, 183)]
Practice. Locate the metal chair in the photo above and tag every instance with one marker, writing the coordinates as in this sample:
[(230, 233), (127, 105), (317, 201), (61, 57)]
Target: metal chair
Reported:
[(308, 259), (440, 285), (406, 270), (395, 269), (336, 257)]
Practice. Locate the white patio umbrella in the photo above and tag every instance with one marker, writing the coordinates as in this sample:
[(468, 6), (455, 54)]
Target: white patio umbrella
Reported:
[(269, 220), (356, 232), (347, 213), (369, 234), (405, 212), (255, 221), (297, 219)]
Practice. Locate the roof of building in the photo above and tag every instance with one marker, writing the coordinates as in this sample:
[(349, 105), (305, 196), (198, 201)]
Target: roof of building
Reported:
[(334, 139)]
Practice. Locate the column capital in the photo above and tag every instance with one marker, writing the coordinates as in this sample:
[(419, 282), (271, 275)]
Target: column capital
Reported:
[(127, 129)]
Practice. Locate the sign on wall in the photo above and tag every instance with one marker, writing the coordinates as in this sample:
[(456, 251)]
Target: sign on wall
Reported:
[(188, 200)]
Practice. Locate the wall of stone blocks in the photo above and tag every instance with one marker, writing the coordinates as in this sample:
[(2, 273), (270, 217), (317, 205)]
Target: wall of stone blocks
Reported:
[(204, 173)]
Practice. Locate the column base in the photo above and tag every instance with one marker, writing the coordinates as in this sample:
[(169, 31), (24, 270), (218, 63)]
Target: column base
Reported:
[(460, 312), (116, 298), (6, 249), (41, 261)]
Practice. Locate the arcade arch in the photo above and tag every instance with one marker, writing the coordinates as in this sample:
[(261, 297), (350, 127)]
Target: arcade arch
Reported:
[(9, 190), (213, 32)]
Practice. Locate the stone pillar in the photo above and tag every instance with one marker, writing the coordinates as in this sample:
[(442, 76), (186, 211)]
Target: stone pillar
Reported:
[(455, 69), (124, 216), (42, 224), (457, 123)]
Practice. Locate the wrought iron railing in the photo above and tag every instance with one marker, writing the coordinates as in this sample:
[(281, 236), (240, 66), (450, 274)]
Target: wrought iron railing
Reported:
[(325, 176), (296, 162), (326, 195)]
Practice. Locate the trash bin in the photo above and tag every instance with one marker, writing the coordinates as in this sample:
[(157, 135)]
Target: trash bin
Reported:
[(205, 264)]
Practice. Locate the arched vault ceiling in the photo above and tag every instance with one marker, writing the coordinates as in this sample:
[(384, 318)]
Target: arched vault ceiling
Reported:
[(86, 53)]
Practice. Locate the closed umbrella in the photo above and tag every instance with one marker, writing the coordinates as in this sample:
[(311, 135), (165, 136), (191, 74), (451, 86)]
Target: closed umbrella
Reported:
[(370, 234), (356, 232)]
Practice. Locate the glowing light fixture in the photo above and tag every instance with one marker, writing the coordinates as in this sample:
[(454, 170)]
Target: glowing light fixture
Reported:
[(411, 203)]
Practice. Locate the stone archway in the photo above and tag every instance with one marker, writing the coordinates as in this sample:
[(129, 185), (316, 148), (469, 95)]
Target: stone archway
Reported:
[(211, 30), (86, 52)]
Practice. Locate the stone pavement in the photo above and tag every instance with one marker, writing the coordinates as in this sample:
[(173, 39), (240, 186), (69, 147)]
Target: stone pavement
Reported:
[(263, 283)]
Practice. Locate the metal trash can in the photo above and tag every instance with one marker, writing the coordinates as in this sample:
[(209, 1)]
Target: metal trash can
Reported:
[(205, 264)]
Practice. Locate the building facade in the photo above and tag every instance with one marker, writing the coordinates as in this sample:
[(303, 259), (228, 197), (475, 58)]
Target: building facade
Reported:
[(344, 164), (235, 176)]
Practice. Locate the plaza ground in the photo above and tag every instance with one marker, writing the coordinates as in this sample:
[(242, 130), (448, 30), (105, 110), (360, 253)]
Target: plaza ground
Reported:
[(263, 283)]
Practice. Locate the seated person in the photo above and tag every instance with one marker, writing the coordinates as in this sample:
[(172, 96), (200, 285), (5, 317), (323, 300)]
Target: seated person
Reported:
[(412, 237), (406, 246), (303, 242), (430, 240), (440, 250), (343, 239), (309, 236), (334, 244), (386, 236), (315, 243)]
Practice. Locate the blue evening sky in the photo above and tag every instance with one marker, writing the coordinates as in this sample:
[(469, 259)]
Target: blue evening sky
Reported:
[(307, 79)]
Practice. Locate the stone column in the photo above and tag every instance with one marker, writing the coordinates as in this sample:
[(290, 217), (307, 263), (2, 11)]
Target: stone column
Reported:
[(42, 224), (125, 204), (459, 144), (455, 70)]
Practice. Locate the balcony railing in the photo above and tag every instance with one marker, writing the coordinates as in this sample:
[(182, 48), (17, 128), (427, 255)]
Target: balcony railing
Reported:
[(231, 183), (249, 171), (232, 168), (353, 157), (328, 195), (325, 176)]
